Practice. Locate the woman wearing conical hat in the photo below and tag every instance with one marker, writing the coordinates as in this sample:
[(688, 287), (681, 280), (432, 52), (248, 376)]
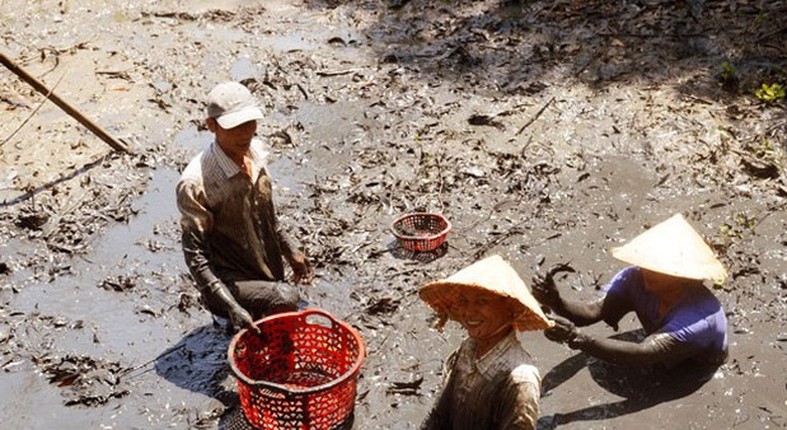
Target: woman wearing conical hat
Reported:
[(491, 381), (664, 287)]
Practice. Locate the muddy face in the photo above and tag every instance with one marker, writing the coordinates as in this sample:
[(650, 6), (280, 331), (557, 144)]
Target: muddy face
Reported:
[(484, 315), (234, 141)]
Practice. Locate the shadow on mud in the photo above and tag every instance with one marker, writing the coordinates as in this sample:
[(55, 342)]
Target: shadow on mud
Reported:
[(32, 192), (420, 256), (641, 388), (514, 43), (198, 363)]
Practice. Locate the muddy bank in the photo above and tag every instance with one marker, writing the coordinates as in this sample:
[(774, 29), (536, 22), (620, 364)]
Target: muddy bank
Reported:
[(546, 132)]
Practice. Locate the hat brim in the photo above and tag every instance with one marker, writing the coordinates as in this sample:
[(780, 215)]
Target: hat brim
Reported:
[(442, 296), (674, 248), (496, 276), (234, 119)]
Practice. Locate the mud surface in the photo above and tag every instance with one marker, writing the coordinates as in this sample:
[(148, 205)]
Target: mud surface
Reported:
[(545, 131)]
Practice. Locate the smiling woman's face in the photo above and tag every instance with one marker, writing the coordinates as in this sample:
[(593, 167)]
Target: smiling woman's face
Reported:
[(483, 314)]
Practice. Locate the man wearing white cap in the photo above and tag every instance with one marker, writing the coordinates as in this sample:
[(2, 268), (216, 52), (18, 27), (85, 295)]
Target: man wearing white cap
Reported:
[(231, 241), (684, 321), (491, 381)]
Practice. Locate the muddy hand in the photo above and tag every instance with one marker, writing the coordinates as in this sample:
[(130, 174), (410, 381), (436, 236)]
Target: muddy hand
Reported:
[(544, 288), (563, 331), (240, 318), (302, 271)]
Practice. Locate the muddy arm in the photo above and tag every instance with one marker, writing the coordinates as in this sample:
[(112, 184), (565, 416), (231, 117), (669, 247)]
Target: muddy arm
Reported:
[(439, 416), (581, 314), (197, 260), (609, 308), (302, 269), (657, 348), (196, 223), (547, 293), (287, 247), (209, 285), (518, 404)]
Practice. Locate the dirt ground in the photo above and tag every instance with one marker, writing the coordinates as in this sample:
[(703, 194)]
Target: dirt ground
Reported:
[(546, 132)]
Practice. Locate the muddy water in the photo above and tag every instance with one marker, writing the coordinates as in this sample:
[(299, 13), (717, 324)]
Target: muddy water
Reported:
[(134, 327), (369, 118)]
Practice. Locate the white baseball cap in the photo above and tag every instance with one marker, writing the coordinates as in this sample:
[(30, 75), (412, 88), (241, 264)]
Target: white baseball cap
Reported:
[(232, 104)]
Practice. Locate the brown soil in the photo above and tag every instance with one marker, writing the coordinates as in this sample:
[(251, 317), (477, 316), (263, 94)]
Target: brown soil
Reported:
[(546, 132)]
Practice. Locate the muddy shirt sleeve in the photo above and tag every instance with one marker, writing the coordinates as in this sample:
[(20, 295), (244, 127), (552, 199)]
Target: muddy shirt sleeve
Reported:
[(288, 247), (287, 244), (195, 222), (518, 399), (696, 327), (668, 351), (616, 300), (440, 416)]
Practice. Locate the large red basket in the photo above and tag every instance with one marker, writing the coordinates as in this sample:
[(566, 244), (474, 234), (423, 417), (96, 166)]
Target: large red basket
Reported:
[(301, 372), (421, 231)]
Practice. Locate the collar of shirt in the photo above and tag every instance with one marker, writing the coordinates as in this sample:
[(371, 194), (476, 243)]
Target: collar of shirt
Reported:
[(230, 169), (494, 360)]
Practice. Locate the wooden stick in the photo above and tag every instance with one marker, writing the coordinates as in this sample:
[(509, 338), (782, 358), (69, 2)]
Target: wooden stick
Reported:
[(535, 117), (41, 88), (32, 114), (123, 372)]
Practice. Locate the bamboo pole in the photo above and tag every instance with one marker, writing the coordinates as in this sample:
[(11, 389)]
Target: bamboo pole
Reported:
[(41, 88)]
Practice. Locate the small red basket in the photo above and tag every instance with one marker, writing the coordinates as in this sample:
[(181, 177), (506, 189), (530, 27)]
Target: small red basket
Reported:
[(301, 372), (421, 231)]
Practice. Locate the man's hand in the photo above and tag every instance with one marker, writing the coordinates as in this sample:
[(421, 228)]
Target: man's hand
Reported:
[(563, 331), (544, 288), (240, 318), (302, 271)]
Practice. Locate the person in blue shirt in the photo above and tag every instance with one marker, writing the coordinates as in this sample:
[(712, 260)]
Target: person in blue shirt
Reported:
[(683, 320)]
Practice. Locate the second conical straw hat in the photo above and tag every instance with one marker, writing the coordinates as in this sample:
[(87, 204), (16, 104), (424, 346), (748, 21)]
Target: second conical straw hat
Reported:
[(492, 274), (673, 247)]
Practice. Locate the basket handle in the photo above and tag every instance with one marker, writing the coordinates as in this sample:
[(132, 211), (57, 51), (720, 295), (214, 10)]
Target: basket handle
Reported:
[(306, 314)]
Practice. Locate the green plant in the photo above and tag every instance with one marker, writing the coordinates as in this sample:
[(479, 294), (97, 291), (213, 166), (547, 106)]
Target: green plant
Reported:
[(739, 226), (728, 77), (761, 17), (745, 221), (727, 231), (728, 72), (769, 93), (764, 149)]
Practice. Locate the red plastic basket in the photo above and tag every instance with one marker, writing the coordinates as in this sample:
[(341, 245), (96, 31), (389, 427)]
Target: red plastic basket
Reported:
[(301, 372), (421, 231)]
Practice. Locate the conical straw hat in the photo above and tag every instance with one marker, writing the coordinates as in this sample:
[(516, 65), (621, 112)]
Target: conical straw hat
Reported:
[(673, 247), (492, 274)]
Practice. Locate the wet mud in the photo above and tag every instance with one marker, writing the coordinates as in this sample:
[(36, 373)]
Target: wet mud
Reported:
[(546, 132)]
